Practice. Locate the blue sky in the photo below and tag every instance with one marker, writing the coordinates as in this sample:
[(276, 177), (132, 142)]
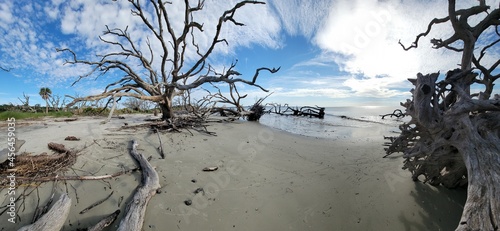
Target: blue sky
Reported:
[(331, 52)]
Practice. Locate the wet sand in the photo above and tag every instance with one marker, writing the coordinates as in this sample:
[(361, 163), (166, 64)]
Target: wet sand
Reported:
[(267, 179)]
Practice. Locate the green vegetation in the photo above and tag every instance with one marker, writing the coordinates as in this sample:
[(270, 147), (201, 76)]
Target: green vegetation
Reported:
[(45, 93), (29, 115)]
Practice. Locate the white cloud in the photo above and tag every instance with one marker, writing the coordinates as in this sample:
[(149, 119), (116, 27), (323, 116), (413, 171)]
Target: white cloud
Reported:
[(299, 17), (362, 38), (29, 39), (6, 16), (334, 93)]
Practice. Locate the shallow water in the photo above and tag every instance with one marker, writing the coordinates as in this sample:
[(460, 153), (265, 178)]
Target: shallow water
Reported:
[(339, 122)]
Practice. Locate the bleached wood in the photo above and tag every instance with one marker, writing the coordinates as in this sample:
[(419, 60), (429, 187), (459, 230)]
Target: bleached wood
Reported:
[(150, 183), (54, 219)]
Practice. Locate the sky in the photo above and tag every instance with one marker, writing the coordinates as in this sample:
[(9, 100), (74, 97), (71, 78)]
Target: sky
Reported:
[(331, 52)]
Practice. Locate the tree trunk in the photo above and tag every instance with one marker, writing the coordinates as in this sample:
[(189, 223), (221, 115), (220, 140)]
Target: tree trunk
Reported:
[(166, 110), (112, 110), (46, 107), (166, 105), (480, 149)]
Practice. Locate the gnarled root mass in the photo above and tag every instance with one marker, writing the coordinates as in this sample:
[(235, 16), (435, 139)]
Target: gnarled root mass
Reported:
[(454, 143)]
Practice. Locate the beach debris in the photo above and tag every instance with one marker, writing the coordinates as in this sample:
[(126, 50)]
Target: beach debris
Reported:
[(105, 222), (210, 169), (96, 203), (160, 148), (40, 211), (396, 113), (175, 125), (198, 190), (58, 147), (55, 218), (71, 138), (120, 200), (67, 120), (57, 177), (188, 202), (30, 168), (316, 111), (193, 180)]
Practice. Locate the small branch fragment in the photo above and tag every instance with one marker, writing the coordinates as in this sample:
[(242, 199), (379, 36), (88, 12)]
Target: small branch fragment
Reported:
[(97, 203)]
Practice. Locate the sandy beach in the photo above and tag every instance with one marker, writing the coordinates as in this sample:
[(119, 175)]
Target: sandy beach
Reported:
[(267, 179)]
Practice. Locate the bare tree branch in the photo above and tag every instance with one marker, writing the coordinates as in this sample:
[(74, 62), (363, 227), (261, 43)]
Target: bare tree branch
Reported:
[(160, 81), (5, 69)]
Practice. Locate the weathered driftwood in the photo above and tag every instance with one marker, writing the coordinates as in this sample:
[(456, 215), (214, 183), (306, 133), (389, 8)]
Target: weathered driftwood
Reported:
[(40, 211), (455, 145), (318, 112), (105, 222), (396, 113), (160, 148), (57, 177), (150, 183), (454, 134), (96, 203), (67, 120), (54, 219)]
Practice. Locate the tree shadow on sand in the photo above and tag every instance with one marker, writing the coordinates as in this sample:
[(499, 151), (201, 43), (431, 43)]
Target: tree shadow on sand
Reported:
[(443, 208)]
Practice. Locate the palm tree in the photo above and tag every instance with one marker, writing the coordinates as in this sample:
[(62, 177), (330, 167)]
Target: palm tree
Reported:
[(45, 93)]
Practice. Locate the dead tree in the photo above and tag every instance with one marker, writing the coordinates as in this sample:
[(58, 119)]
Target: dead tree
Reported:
[(234, 100), (161, 74), (316, 111), (26, 103), (55, 101), (453, 137)]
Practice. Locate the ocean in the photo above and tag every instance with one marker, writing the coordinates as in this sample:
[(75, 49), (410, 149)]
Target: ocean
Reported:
[(340, 122)]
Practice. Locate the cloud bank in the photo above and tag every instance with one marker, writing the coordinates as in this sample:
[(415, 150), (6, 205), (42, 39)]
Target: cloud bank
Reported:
[(355, 41)]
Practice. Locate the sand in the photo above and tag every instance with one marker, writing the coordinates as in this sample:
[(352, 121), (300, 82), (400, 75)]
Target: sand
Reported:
[(267, 179)]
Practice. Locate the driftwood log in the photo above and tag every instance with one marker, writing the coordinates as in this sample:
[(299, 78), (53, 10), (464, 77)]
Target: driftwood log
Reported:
[(105, 222), (317, 112), (150, 183), (54, 219)]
